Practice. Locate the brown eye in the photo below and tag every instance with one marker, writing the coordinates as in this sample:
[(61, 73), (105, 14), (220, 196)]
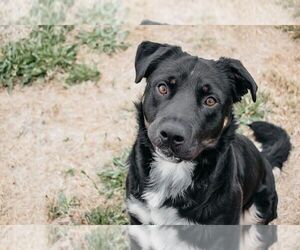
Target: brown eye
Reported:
[(210, 101), (162, 89)]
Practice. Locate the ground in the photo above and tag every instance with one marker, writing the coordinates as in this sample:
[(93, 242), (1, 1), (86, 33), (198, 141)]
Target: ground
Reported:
[(56, 139)]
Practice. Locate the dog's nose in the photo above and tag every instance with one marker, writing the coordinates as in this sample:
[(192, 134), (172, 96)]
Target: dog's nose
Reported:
[(172, 135)]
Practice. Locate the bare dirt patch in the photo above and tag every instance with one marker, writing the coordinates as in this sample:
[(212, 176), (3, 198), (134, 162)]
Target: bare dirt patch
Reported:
[(214, 12)]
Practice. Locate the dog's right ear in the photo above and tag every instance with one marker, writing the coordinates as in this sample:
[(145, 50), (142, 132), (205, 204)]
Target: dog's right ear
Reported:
[(149, 55)]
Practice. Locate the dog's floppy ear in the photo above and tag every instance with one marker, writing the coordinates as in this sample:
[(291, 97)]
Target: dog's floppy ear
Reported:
[(239, 77), (149, 55)]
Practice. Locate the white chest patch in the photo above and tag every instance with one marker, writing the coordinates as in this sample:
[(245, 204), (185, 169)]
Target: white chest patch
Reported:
[(250, 216), (158, 237), (166, 180), (150, 215)]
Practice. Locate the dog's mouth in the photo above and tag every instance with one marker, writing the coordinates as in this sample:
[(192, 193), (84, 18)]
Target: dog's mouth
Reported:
[(167, 155)]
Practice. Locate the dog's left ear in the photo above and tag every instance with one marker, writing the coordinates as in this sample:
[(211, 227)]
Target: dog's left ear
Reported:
[(239, 77)]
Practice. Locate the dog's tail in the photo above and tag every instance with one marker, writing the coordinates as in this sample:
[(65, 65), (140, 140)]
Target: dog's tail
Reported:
[(276, 145)]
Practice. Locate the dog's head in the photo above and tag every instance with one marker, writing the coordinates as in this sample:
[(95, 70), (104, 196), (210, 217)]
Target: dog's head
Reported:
[(187, 99)]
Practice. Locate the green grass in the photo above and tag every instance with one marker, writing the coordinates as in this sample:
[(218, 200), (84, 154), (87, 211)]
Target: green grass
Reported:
[(113, 179), (61, 206), (248, 111), (24, 61), (108, 238), (81, 73), (51, 12), (106, 216), (44, 51), (48, 12), (108, 39), (70, 172), (92, 238), (103, 14), (113, 176)]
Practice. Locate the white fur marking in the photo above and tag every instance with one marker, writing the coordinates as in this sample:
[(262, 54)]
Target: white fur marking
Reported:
[(167, 216), (158, 237), (167, 180), (251, 239), (258, 145), (138, 208), (158, 216), (141, 236), (250, 216), (276, 172)]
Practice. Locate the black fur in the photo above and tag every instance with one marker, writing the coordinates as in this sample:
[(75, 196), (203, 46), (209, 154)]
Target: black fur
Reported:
[(150, 22), (204, 237), (275, 141), (230, 173)]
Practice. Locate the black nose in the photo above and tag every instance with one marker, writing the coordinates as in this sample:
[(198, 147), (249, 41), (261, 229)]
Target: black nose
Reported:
[(171, 134)]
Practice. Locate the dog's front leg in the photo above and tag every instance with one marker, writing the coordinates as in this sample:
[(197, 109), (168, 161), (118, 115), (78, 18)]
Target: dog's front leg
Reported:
[(133, 220)]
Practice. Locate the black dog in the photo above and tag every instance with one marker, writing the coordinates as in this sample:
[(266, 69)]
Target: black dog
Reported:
[(202, 237), (188, 165)]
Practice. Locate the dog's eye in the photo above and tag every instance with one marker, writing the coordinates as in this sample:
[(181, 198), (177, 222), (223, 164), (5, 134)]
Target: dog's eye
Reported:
[(162, 88), (210, 101)]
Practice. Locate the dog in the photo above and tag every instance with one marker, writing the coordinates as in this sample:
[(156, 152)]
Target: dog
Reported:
[(202, 237), (188, 165)]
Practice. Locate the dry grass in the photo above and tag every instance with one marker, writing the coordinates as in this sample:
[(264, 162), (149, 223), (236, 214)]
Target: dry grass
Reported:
[(47, 129), (237, 12)]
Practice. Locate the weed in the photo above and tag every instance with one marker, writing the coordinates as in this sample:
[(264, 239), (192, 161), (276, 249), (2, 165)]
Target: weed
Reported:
[(113, 177), (206, 42), (108, 39), (44, 51), (292, 30), (80, 73), (24, 61), (104, 14), (248, 111), (61, 206), (56, 233), (70, 172), (109, 238), (94, 182), (48, 12), (66, 139), (106, 216)]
